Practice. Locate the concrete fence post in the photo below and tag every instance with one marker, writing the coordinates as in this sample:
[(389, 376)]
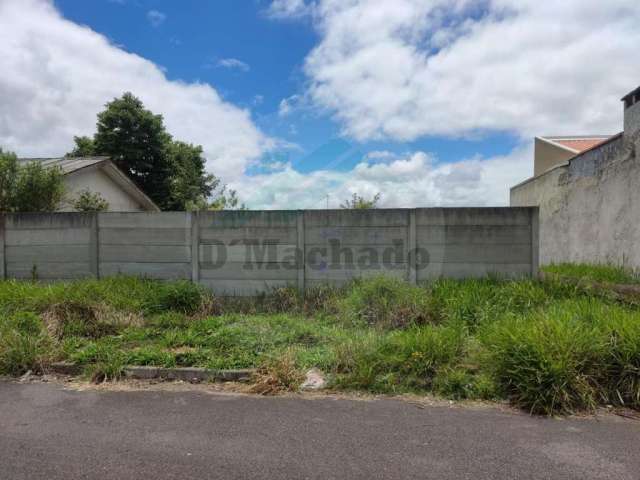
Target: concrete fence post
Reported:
[(300, 250), (195, 246), (94, 246), (535, 242), (411, 248)]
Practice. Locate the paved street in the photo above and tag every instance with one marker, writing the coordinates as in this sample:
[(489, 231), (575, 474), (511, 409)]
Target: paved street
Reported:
[(51, 433)]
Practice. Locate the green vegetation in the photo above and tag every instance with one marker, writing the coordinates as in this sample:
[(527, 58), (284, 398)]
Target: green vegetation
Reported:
[(595, 273), (28, 187), (546, 346), (171, 173), (88, 201)]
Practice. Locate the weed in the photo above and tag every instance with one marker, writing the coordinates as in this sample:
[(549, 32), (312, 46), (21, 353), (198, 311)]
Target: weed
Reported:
[(386, 302)]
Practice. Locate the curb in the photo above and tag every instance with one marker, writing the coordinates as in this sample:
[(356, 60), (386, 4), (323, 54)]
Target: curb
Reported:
[(187, 374), (66, 368)]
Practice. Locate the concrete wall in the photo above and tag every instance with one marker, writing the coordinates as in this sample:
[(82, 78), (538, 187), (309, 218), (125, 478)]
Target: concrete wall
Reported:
[(589, 209), (246, 252), (97, 181)]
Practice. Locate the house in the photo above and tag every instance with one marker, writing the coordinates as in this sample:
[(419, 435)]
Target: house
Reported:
[(99, 175), (549, 152), (587, 191)]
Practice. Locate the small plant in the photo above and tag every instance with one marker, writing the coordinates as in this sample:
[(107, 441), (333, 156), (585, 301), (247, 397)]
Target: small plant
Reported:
[(181, 296), (88, 201), (108, 363), (279, 374), (24, 344), (386, 302)]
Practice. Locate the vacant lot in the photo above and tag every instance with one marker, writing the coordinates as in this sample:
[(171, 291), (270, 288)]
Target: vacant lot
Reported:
[(547, 347)]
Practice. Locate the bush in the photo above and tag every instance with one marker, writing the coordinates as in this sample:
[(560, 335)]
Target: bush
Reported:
[(386, 302), (181, 296), (24, 344)]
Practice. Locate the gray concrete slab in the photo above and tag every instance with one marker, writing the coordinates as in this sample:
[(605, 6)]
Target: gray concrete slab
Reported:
[(50, 433)]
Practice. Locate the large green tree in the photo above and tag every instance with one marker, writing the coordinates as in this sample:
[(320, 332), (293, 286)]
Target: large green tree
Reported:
[(29, 187), (171, 173)]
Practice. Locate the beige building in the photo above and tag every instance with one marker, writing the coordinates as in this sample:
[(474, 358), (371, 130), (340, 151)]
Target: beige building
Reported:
[(588, 195), (99, 175), (550, 152)]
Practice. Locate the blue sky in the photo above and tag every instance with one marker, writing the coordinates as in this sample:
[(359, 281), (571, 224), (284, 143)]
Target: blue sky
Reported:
[(428, 102), (195, 36)]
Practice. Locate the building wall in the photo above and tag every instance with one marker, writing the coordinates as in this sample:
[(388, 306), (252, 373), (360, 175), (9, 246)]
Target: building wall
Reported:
[(547, 156), (247, 252), (97, 181), (589, 209)]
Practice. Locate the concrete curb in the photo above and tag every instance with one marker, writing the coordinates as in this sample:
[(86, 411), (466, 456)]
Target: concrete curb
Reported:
[(187, 374), (65, 368)]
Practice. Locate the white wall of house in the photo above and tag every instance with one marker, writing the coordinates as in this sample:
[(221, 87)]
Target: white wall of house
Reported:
[(97, 181)]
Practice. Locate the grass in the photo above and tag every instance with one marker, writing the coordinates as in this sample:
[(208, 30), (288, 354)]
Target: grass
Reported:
[(545, 346), (596, 273)]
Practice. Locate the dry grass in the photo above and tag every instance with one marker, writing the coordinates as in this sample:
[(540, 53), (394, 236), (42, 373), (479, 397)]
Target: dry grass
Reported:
[(278, 375)]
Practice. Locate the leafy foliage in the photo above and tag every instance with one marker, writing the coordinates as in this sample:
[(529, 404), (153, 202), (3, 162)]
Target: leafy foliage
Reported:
[(357, 202), (172, 173), (29, 187), (88, 201)]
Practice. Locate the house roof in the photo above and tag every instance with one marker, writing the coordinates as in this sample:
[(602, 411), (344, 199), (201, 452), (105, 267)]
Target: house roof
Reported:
[(578, 143), (70, 165)]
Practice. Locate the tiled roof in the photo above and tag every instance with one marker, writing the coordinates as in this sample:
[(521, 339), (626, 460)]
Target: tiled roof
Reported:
[(582, 144), (578, 144)]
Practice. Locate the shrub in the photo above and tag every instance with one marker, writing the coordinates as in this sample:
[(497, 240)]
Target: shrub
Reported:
[(181, 296), (24, 344), (386, 302)]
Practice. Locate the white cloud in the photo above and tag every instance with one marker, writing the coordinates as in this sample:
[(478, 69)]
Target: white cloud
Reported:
[(156, 18), (289, 105), (233, 63), (283, 9), (404, 69), (58, 76), (414, 180)]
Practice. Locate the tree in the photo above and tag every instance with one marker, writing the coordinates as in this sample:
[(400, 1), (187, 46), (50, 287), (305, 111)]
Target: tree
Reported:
[(136, 141), (88, 201), (360, 203), (85, 147), (191, 185), (29, 187), (171, 173)]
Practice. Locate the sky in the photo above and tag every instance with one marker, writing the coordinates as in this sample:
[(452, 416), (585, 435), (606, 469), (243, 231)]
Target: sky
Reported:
[(302, 103)]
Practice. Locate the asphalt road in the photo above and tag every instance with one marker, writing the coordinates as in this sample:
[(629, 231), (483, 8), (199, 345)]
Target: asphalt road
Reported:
[(51, 433)]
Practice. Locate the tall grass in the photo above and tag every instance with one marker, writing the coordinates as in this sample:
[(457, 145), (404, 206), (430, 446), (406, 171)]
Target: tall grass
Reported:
[(547, 346), (608, 273)]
